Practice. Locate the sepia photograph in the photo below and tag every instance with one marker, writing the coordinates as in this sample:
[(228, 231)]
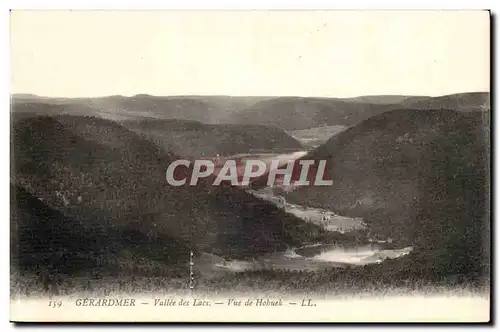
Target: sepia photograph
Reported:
[(263, 166)]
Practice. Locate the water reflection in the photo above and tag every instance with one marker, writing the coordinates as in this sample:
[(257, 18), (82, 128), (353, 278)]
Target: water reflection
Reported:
[(310, 258)]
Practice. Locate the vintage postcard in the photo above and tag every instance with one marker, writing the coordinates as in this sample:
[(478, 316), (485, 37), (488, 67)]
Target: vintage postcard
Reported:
[(250, 166)]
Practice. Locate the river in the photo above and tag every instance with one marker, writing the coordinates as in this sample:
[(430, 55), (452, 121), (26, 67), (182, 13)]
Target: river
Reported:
[(312, 257)]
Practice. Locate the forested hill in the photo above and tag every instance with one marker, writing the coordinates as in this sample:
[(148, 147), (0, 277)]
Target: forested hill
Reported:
[(107, 180), (418, 176)]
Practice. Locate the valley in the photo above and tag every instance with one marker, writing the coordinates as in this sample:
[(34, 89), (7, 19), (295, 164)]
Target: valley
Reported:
[(409, 204)]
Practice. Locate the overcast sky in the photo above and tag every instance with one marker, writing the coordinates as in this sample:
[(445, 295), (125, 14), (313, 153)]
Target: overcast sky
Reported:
[(329, 54)]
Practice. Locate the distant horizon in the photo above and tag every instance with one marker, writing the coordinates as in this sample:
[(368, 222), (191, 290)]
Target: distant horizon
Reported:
[(244, 96)]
